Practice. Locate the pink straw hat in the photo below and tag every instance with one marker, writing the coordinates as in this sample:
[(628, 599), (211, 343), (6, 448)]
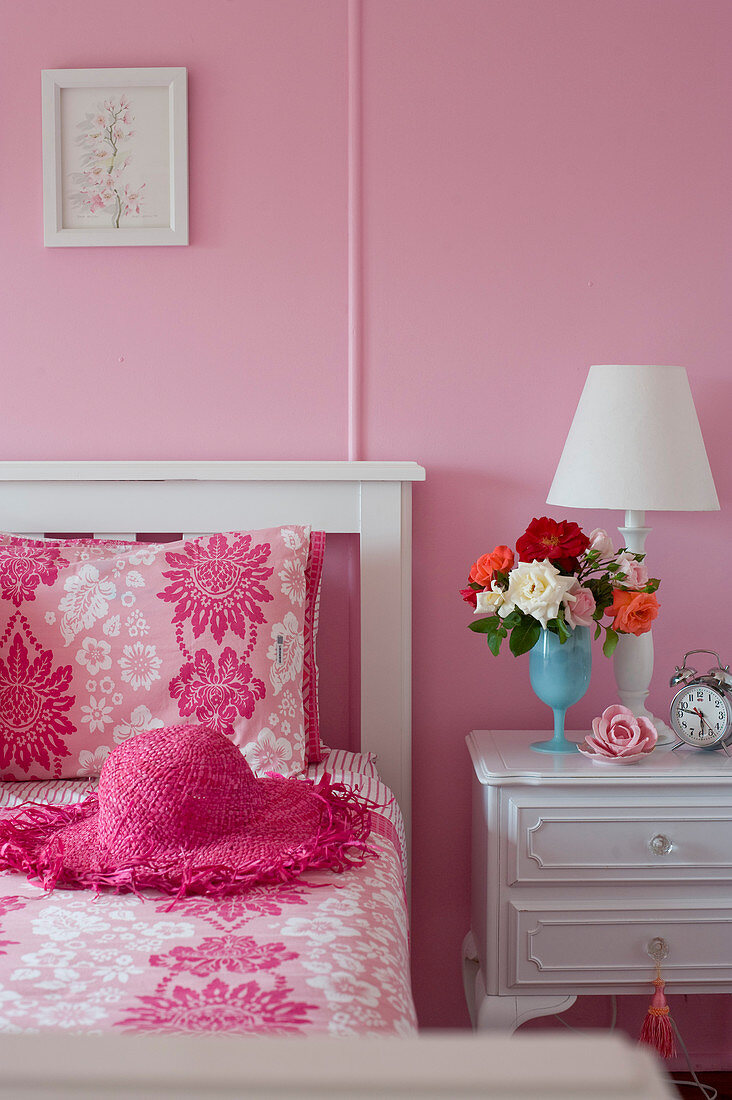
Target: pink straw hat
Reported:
[(180, 810)]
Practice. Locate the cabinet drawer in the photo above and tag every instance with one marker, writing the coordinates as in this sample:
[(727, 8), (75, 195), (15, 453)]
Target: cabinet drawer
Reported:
[(587, 841), (590, 946)]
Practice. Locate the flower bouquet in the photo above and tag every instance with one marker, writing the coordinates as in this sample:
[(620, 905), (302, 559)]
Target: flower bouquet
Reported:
[(560, 578)]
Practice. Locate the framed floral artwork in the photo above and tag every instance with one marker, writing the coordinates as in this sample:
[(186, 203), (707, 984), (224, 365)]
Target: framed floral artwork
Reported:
[(115, 156)]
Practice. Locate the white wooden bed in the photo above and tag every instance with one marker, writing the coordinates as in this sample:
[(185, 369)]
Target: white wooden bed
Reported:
[(446, 1066), (371, 499)]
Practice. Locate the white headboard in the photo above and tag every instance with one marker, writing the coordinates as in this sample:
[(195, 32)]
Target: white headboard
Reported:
[(372, 499)]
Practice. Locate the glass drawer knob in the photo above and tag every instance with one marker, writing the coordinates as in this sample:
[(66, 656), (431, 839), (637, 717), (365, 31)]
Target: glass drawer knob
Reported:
[(657, 948), (660, 845)]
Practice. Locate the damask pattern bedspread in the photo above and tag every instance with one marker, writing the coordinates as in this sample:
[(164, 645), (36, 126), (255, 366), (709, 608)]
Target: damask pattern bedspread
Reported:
[(327, 955)]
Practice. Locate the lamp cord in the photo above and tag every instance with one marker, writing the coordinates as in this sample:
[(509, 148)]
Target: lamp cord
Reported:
[(707, 1091)]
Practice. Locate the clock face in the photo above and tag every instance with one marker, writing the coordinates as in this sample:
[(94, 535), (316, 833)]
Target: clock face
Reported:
[(701, 715)]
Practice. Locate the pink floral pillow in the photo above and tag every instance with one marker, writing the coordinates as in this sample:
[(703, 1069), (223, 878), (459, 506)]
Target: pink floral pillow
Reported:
[(99, 641)]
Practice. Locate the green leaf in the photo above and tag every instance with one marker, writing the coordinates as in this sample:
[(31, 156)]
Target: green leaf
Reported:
[(524, 636), (611, 641), (563, 631), (598, 631), (513, 619), (493, 629), (475, 587), (482, 626)]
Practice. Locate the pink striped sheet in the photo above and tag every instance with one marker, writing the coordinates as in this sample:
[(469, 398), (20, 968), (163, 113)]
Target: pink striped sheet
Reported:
[(337, 761), (54, 792), (358, 770)]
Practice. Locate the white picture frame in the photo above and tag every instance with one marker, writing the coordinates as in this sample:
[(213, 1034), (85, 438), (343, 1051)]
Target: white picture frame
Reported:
[(115, 157)]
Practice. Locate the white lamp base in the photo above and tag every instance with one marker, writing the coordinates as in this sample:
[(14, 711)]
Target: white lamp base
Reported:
[(633, 666), (633, 660)]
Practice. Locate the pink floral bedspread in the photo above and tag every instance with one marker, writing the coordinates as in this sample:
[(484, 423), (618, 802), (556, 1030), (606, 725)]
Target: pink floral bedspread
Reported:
[(287, 959)]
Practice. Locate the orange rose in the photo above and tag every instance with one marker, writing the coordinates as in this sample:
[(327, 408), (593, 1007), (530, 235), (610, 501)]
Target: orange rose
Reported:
[(633, 612), (499, 560)]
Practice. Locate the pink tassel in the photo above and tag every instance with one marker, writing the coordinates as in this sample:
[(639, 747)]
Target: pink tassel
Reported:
[(657, 1031)]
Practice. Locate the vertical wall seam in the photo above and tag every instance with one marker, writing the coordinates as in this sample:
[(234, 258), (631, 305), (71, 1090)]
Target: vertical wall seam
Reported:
[(355, 232)]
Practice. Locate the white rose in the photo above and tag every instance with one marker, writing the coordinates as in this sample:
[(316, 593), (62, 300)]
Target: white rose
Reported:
[(601, 542), (537, 589), (489, 600)]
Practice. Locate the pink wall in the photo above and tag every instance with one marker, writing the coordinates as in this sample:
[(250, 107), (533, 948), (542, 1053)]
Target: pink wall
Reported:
[(546, 186)]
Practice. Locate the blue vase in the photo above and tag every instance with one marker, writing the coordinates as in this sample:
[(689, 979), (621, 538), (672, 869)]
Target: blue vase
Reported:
[(560, 675)]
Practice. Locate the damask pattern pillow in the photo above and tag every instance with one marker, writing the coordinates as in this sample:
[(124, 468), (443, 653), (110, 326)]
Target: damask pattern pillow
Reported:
[(85, 549), (99, 641)]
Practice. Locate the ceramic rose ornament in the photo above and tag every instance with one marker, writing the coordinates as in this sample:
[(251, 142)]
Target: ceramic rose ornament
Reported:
[(619, 737)]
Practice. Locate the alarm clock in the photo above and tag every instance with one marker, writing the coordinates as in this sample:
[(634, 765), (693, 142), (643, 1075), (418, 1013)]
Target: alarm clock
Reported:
[(701, 710)]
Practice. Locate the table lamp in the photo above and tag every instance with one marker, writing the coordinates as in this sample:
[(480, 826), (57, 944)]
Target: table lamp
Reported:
[(635, 444)]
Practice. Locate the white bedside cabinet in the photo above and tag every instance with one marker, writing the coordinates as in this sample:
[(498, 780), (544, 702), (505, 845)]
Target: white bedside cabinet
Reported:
[(581, 871)]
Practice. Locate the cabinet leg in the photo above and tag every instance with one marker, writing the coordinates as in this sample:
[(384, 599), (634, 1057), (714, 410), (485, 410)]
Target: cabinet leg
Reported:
[(471, 967), (508, 1013), (492, 1013)]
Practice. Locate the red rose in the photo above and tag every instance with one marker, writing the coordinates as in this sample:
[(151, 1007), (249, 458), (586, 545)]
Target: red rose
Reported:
[(469, 595), (500, 560), (558, 542)]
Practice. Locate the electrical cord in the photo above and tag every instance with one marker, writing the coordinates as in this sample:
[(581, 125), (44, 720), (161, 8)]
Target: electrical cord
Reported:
[(577, 1030), (707, 1091)]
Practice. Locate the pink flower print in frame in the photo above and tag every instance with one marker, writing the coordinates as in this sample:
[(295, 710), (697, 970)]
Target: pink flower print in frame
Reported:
[(115, 156), (106, 139)]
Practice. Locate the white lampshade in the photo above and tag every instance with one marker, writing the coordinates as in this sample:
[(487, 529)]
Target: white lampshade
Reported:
[(635, 444)]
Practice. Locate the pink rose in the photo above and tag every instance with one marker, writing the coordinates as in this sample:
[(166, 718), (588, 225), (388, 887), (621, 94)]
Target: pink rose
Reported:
[(618, 732), (636, 574), (579, 612), (601, 542)]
